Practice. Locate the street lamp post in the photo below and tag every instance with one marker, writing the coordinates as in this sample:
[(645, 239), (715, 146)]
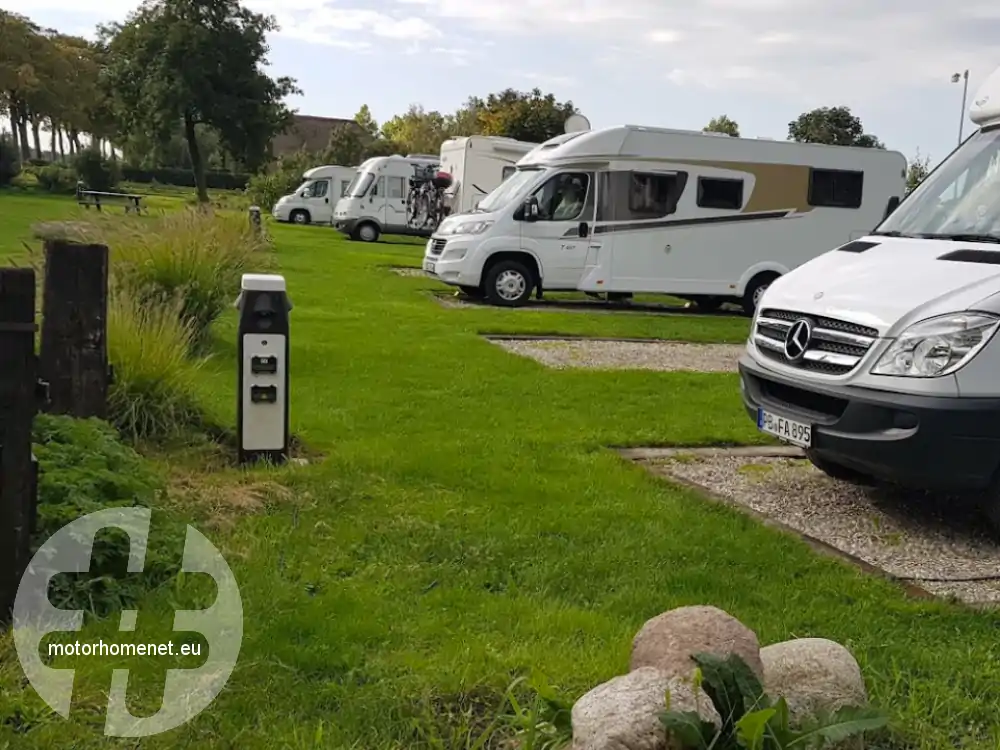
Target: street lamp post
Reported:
[(965, 92)]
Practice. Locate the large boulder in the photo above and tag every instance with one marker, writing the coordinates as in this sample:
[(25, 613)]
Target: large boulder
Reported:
[(668, 641), (814, 676), (624, 713)]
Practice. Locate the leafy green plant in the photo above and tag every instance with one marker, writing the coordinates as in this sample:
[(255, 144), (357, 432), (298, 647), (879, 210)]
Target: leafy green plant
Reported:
[(56, 179), (751, 720), (543, 721), (151, 397), (84, 467), (10, 163)]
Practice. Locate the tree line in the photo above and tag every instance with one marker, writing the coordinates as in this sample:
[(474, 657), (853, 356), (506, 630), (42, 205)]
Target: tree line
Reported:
[(183, 84)]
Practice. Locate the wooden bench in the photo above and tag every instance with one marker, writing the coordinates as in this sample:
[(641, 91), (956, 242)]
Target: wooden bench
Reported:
[(97, 199)]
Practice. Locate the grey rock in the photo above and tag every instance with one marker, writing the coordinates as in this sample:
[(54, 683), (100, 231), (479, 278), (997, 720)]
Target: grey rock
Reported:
[(623, 713), (668, 641)]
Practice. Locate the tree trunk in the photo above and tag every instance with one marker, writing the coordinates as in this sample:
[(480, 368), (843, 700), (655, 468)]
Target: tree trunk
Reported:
[(196, 162), (62, 150), (74, 138), (21, 129), (14, 119), (52, 140), (37, 136)]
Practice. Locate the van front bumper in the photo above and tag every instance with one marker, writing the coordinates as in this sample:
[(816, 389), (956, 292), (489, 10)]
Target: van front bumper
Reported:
[(346, 226), (924, 442)]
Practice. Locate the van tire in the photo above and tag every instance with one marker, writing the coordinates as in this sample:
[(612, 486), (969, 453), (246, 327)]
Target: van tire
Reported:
[(366, 231), (708, 304), (757, 286), (508, 283), (839, 472), (299, 216)]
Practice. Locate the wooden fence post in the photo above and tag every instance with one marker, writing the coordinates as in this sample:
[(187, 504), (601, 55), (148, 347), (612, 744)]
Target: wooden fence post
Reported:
[(74, 349), (18, 392)]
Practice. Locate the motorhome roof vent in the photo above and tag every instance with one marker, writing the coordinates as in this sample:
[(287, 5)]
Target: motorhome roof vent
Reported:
[(968, 255)]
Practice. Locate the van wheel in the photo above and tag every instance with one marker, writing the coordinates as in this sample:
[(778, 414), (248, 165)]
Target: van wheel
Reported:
[(508, 284), (708, 304), (836, 471), (755, 290), (366, 232), (299, 217)]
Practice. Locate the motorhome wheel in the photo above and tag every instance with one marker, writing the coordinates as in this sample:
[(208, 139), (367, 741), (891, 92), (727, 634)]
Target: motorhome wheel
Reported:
[(366, 232), (300, 217), (508, 283), (755, 291), (836, 471), (709, 304)]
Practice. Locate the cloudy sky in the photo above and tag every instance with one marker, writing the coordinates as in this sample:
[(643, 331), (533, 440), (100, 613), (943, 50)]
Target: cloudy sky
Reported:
[(647, 62)]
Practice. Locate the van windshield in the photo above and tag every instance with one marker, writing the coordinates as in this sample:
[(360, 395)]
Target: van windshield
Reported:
[(506, 190), (360, 184), (959, 200)]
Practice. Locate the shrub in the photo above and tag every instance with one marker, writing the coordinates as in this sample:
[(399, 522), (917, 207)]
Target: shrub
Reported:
[(185, 177), (151, 397), (56, 179), (265, 189), (96, 172), (195, 256), (84, 467), (10, 162)]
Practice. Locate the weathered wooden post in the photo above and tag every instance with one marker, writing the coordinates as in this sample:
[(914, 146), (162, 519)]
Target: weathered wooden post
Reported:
[(18, 389), (74, 349)]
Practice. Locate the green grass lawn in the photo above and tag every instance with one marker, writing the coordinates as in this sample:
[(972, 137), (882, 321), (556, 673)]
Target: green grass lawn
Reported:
[(469, 524)]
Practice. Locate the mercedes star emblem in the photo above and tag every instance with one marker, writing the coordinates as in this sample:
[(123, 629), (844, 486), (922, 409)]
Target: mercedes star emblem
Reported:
[(797, 340)]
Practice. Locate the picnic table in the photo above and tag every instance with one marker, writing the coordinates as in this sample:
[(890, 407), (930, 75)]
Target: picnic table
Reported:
[(97, 199)]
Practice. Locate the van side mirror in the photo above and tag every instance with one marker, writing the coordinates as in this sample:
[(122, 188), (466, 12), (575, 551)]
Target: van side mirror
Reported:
[(529, 210)]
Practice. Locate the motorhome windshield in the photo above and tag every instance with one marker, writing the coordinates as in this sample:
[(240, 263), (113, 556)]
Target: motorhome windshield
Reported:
[(959, 200), (360, 184), (506, 190)]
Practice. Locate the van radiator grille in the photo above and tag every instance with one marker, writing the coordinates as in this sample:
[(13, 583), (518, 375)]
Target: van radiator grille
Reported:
[(835, 347), (437, 246)]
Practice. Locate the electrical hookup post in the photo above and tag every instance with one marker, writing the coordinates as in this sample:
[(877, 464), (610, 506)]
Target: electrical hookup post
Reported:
[(263, 348)]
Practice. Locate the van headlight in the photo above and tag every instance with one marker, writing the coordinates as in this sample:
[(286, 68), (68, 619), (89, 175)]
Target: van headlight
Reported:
[(469, 227), (937, 346)]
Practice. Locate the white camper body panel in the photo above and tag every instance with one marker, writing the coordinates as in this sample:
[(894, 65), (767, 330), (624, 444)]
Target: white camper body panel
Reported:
[(478, 164), (313, 201), (697, 215)]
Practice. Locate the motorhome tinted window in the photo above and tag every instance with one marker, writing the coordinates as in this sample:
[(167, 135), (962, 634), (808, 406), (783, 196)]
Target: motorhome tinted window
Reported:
[(317, 189), (507, 172), (361, 183), (836, 188), (960, 196), (716, 193), (345, 186), (651, 196), (379, 188), (397, 187), (562, 198)]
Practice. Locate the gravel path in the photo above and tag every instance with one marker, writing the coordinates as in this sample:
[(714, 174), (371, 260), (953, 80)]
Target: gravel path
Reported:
[(412, 272), (627, 355), (909, 535)]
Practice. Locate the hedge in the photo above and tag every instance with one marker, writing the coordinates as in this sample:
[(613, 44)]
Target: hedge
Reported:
[(185, 178)]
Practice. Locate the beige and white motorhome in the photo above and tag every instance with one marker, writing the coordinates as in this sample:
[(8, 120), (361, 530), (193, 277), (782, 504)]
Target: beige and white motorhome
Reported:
[(628, 209), (478, 164)]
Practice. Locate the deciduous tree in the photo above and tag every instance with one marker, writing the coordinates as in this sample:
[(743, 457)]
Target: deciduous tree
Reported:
[(533, 116), (834, 126), (723, 124), (918, 169), (417, 130), (197, 62)]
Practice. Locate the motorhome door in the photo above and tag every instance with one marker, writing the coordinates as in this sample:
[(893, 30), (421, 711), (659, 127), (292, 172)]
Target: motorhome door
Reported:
[(395, 202), (316, 197), (376, 201), (561, 236)]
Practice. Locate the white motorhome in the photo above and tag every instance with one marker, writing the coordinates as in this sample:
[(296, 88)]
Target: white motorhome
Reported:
[(628, 209), (478, 164), (378, 200), (313, 200), (880, 357)]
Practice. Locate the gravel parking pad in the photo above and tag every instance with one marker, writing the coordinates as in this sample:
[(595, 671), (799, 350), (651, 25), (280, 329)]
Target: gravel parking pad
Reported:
[(931, 540), (626, 355), (412, 272)]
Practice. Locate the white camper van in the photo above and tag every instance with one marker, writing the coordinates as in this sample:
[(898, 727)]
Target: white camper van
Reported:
[(628, 209), (478, 164), (880, 358), (382, 200), (313, 200)]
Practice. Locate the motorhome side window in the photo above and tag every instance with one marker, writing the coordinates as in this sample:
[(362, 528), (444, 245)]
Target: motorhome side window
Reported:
[(634, 196), (836, 188), (397, 187), (507, 172), (562, 198), (345, 185), (720, 193), (319, 188), (379, 188)]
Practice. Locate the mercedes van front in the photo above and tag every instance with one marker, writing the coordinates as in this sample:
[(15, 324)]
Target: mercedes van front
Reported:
[(880, 357)]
